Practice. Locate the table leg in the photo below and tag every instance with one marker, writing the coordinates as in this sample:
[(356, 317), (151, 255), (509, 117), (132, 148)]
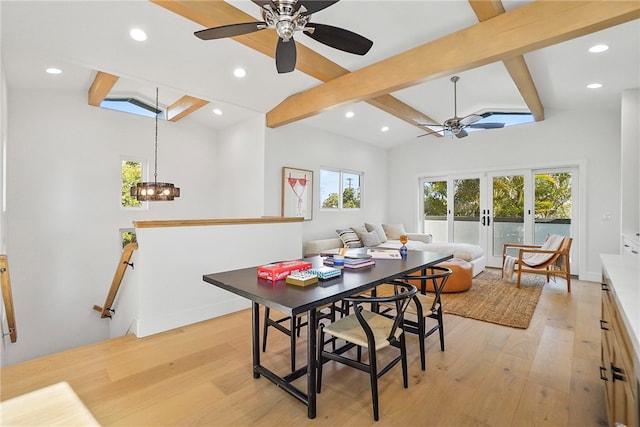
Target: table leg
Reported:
[(255, 337), (312, 333)]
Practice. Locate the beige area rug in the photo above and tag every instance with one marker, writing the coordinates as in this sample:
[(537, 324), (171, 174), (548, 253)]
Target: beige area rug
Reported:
[(494, 300)]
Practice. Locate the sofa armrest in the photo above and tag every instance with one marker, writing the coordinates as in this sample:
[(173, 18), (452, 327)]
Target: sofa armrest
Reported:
[(316, 247), (422, 237)]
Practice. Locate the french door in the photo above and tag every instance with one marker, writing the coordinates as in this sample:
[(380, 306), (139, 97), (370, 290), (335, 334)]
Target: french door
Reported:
[(493, 208)]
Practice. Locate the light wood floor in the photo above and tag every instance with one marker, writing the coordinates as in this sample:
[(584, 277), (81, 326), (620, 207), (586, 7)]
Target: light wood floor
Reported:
[(489, 375)]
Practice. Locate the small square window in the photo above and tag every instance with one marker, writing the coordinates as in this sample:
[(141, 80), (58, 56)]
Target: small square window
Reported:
[(340, 189)]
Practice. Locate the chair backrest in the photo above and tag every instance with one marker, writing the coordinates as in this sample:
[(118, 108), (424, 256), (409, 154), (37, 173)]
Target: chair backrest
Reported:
[(438, 277), (402, 294)]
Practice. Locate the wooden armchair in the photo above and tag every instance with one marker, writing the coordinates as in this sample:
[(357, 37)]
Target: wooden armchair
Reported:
[(556, 263)]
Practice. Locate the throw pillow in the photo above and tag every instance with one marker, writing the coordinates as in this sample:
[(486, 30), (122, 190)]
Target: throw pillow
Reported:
[(378, 229), (360, 231), (370, 239), (394, 231), (349, 238)]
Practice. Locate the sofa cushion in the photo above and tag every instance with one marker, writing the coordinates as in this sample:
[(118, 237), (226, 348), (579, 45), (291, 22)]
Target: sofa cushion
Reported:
[(370, 239), (349, 238), (378, 229), (394, 231), (360, 231)]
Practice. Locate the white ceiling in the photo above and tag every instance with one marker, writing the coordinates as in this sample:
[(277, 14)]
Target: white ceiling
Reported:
[(81, 37)]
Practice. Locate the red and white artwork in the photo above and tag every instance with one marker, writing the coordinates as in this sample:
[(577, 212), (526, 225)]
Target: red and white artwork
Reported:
[(297, 190)]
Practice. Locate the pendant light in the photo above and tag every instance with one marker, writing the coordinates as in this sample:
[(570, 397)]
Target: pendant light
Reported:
[(155, 191)]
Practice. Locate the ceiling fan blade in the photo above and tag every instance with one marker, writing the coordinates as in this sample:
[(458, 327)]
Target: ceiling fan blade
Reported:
[(339, 38), (461, 134), (487, 125), (471, 118), (286, 54), (261, 3), (316, 6), (230, 30)]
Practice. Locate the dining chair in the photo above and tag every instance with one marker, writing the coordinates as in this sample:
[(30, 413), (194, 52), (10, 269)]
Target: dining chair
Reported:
[(296, 323), (424, 306), (366, 329)]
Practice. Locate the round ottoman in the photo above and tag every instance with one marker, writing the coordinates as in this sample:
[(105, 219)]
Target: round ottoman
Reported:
[(460, 279)]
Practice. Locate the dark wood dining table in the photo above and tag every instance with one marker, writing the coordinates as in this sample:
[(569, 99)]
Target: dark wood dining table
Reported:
[(295, 300)]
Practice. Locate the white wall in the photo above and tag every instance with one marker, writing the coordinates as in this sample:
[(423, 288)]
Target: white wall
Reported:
[(63, 207), (240, 169), (630, 159), (587, 137), (300, 146)]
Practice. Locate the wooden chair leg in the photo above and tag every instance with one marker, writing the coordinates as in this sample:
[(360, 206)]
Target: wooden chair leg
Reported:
[(373, 369)]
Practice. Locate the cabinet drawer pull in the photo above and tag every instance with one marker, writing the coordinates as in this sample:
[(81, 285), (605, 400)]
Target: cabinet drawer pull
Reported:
[(634, 252), (602, 325), (603, 373), (617, 374)]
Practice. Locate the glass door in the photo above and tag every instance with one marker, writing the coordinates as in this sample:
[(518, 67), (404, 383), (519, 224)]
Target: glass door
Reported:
[(505, 219), (466, 211), (435, 209)]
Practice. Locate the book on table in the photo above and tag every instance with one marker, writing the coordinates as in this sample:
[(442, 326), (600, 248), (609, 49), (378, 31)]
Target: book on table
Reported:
[(384, 253), (353, 263)]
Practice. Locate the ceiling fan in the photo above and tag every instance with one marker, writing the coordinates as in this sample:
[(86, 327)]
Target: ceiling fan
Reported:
[(287, 17), (456, 125)]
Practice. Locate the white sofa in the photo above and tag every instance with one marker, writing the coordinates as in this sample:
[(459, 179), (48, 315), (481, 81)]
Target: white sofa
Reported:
[(417, 241)]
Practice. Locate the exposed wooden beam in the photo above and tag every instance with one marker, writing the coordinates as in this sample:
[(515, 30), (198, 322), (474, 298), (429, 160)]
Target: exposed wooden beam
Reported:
[(184, 106), (532, 26), (212, 13), (516, 66), (101, 87)]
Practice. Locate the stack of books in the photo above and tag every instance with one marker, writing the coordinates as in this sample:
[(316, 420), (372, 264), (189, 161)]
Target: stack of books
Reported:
[(353, 262)]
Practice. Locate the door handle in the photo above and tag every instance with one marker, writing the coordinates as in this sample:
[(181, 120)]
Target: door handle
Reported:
[(482, 221)]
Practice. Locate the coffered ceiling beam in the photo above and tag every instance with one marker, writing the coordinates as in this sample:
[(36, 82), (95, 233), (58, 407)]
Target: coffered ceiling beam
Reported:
[(516, 66), (212, 13), (101, 86), (533, 26), (184, 106)]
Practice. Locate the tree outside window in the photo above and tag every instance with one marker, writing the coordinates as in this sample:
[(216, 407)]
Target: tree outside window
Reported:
[(131, 175)]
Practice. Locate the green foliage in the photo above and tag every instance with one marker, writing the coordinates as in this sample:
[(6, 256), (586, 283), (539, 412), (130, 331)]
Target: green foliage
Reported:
[(331, 202), (350, 198), (128, 237), (508, 196), (553, 196), (131, 175), (466, 202), (435, 198)]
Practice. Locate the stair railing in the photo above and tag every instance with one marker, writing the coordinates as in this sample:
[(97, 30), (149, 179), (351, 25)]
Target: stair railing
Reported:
[(7, 298), (107, 309)]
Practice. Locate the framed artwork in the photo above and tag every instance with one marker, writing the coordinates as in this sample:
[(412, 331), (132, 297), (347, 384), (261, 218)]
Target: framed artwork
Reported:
[(297, 193)]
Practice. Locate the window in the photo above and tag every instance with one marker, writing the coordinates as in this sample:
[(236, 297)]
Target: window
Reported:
[(127, 235), (131, 105), (131, 175), (334, 183)]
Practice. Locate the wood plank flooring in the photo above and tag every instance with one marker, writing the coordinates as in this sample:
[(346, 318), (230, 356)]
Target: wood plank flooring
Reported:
[(489, 375)]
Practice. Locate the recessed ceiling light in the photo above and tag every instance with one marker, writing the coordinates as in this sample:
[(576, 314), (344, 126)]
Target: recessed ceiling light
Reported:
[(217, 111), (384, 128), (138, 35), (349, 114), (53, 70), (239, 72), (594, 86), (598, 48)]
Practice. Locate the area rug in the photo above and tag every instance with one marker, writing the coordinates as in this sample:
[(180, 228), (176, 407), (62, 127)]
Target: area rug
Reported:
[(494, 300)]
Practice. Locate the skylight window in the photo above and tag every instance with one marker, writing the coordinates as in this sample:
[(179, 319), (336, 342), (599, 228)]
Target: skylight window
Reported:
[(131, 105)]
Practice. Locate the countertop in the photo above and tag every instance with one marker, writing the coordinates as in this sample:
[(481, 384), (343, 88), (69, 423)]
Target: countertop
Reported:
[(624, 272)]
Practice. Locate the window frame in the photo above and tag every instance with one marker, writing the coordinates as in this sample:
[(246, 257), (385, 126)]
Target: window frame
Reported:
[(341, 173)]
